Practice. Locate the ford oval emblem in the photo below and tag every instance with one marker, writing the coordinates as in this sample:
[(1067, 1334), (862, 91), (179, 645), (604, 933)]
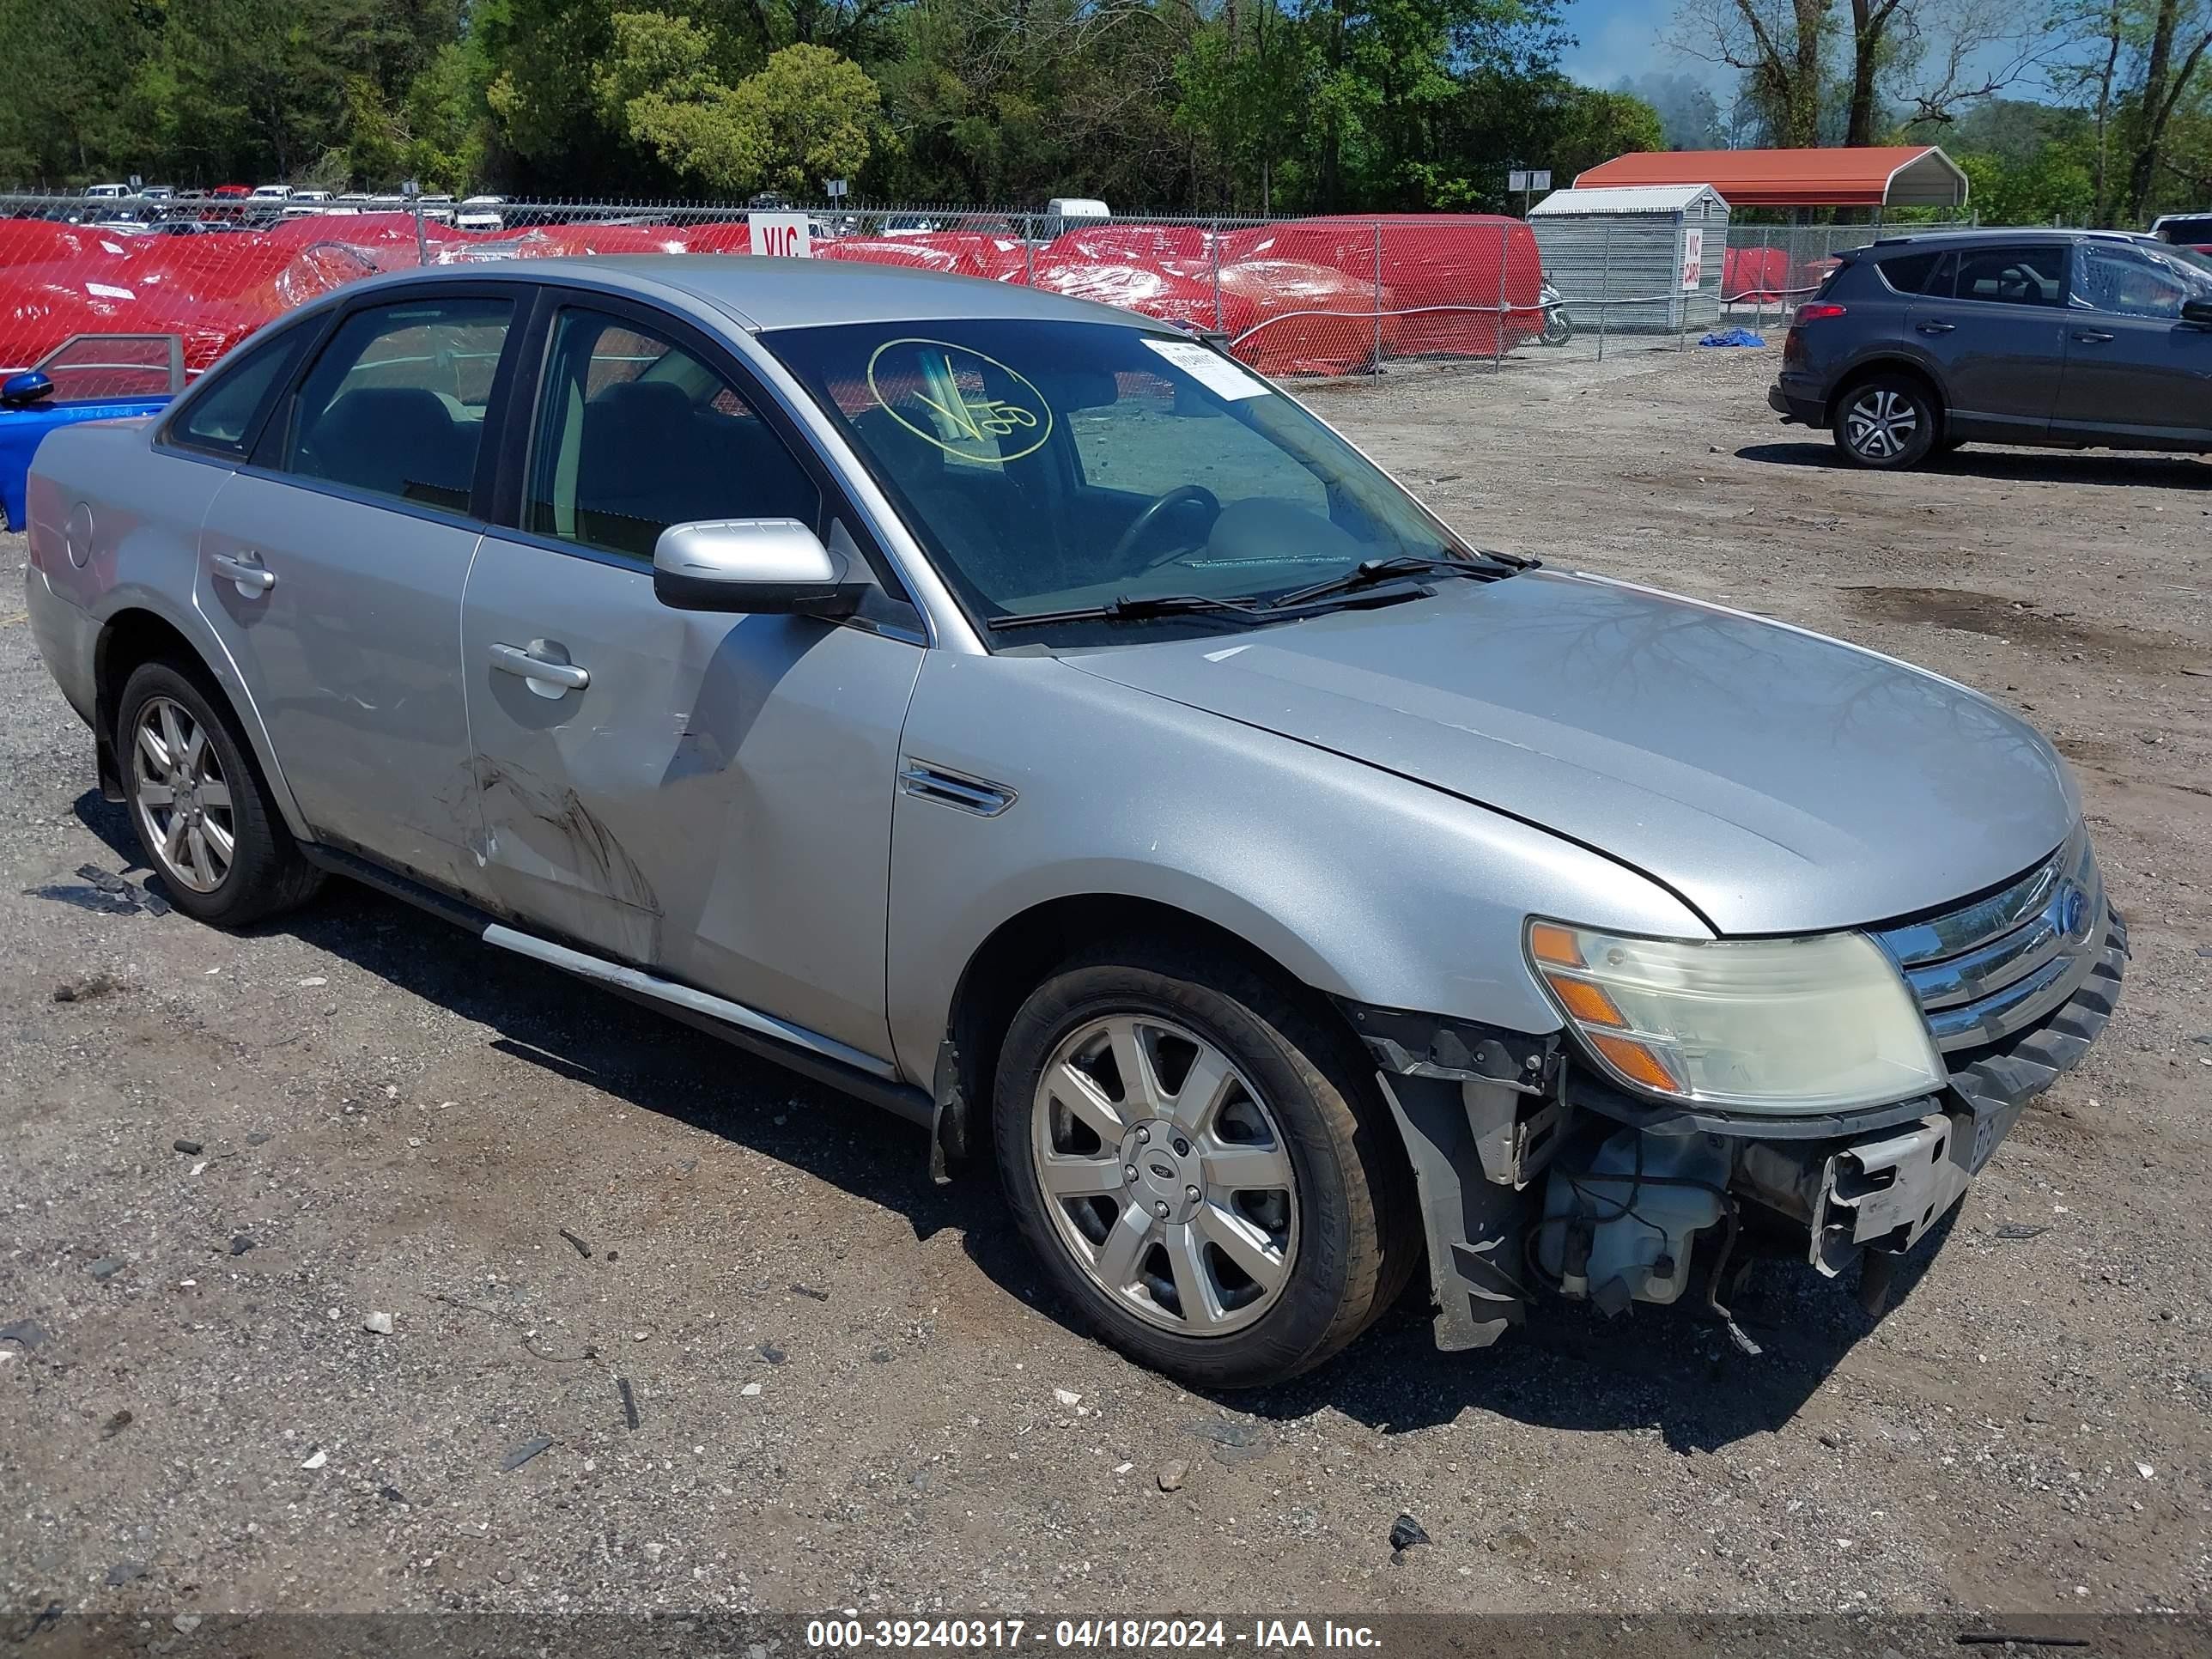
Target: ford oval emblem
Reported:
[(2073, 909)]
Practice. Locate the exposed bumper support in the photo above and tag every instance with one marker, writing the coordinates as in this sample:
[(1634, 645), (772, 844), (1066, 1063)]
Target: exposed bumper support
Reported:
[(1521, 1156)]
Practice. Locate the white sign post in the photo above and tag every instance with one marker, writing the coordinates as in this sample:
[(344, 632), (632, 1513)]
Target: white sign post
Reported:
[(784, 235), (1694, 260), (1527, 181)]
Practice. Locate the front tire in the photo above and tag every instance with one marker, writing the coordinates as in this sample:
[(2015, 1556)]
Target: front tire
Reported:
[(1888, 422), (203, 814), (1200, 1164)]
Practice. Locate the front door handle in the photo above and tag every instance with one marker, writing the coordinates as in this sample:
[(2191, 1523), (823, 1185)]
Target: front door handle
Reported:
[(513, 660), (253, 578), (1935, 328), (2091, 336)]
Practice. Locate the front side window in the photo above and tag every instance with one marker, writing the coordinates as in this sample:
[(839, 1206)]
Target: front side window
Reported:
[(395, 405), (636, 433), (2134, 280), (1052, 465), (2012, 276)]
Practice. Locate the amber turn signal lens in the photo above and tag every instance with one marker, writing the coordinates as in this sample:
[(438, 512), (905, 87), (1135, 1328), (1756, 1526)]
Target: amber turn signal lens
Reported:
[(1554, 946), (1586, 1002), (1637, 1063)]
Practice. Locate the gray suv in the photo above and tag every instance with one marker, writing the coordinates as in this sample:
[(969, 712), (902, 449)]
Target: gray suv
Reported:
[(1019, 714), (2074, 339)]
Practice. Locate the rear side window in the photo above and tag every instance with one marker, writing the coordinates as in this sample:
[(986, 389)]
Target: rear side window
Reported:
[(1913, 273), (2014, 276), (2191, 232), (395, 405), (225, 415)]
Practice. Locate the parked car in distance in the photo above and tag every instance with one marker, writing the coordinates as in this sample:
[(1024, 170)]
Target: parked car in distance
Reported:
[(2070, 339), (1017, 712), (106, 192), (2184, 230), (306, 204), (480, 213), (231, 193), (271, 193), (89, 377)]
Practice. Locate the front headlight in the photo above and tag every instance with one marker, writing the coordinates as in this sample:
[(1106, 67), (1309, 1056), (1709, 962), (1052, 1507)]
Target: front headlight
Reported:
[(1781, 1025)]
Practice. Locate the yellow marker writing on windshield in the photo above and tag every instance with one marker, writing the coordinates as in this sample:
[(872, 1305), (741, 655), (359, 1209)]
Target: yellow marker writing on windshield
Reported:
[(968, 427)]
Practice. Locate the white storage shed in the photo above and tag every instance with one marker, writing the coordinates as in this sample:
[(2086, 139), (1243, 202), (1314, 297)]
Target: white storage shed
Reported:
[(1643, 258)]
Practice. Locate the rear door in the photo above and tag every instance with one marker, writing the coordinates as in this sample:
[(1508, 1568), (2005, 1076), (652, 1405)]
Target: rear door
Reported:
[(705, 795), (1992, 324), (332, 567), (2136, 374)]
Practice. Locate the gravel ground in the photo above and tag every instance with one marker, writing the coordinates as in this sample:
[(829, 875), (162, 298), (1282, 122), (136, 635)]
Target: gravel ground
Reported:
[(847, 1390)]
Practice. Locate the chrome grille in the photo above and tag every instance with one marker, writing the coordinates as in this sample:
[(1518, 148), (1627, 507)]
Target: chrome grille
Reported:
[(2001, 963)]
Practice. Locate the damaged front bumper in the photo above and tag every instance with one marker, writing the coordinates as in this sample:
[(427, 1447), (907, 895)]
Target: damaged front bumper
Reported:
[(1536, 1174)]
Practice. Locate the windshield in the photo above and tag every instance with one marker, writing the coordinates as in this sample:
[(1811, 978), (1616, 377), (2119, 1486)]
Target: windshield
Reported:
[(1053, 465)]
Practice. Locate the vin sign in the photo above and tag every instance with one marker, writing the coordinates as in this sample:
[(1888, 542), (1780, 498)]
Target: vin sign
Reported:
[(782, 234)]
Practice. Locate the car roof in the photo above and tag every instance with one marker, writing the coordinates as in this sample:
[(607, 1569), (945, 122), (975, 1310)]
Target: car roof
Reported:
[(2000, 236), (766, 293)]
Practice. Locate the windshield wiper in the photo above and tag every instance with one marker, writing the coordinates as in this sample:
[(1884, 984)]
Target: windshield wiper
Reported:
[(1372, 573), (1137, 610)]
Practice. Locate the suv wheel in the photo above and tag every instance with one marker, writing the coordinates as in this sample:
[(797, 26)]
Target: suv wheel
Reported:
[(1199, 1163), (1889, 421), (201, 812)]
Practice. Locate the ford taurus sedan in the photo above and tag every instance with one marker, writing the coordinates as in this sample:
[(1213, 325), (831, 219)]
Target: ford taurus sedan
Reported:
[(1017, 713)]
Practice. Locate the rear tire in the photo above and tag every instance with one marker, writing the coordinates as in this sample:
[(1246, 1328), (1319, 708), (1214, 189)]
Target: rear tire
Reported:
[(202, 812), (1886, 421), (1271, 1218)]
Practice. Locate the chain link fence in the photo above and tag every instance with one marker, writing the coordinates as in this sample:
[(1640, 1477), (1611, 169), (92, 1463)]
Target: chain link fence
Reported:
[(1334, 296)]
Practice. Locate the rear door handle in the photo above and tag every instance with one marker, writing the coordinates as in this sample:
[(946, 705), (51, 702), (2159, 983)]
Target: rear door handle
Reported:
[(513, 660), (253, 578), (2091, 336), (1935, 328)]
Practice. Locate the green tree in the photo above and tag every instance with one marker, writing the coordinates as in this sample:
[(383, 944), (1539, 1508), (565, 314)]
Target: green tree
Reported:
[(809, 113)]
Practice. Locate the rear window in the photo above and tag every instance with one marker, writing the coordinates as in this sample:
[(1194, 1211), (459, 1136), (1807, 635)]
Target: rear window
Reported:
[(1910, 273), (2196, 232)]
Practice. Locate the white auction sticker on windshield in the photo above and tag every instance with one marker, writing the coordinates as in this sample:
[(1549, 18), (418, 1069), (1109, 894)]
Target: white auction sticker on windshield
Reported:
[(1212, 370)]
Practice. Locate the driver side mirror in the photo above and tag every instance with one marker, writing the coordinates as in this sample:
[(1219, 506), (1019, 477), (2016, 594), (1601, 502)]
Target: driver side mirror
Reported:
[(2198, 312), (752, 566), (22, 391)]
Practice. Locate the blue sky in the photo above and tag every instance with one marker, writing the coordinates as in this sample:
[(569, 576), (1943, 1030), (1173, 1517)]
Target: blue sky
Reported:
[(1633, 37), (1621, 37)]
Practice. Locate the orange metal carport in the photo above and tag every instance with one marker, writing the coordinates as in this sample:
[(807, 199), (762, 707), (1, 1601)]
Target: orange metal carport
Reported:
[(1899, 175)]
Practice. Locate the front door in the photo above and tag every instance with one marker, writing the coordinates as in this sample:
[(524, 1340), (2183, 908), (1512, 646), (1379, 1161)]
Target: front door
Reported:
[(1993, 323), (333, 569), (706, 795), (2136, 374)]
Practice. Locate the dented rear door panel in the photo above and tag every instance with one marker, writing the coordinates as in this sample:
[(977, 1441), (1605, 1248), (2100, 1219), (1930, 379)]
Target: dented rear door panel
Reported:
[(714, 803)]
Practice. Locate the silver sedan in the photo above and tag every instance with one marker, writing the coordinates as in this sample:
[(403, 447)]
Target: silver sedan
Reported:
[(1021, 714)]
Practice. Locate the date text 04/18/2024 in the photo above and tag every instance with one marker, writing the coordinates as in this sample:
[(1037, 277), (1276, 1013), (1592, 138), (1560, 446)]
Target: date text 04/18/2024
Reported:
[(1261, 1636)]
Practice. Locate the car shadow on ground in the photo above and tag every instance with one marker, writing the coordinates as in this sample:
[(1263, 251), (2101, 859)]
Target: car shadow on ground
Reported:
[(2096, 466), (1671, 1370)]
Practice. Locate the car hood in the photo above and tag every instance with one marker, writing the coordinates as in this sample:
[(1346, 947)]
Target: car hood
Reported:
[(1779, 782)]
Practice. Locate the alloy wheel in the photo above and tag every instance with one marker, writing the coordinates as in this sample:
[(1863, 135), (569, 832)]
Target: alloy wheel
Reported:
[(1165, 1173), (183, 798), (1881, 423)]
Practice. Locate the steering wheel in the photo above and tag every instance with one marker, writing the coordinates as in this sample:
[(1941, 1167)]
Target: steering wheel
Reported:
[(1167, 500)]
